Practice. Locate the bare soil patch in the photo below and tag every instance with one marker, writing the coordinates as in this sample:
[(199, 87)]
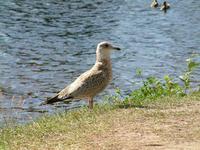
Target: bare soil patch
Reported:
[(171, 128)]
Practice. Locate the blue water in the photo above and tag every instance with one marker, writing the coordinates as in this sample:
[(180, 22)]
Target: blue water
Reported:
[(46, 44)]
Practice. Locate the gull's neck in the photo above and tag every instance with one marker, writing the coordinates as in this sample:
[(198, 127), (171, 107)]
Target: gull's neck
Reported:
[(102, 56)]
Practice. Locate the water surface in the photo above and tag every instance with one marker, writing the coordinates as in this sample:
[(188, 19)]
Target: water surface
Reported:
[(46, 44)]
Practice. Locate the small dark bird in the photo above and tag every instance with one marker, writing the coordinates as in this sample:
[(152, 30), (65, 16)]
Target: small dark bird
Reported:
[(154, 4), (165, 6)]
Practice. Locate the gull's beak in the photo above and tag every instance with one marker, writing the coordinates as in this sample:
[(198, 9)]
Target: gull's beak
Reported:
[(116, 48)]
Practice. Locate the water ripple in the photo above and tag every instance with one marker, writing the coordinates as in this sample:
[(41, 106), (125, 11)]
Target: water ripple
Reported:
[(46, 44)]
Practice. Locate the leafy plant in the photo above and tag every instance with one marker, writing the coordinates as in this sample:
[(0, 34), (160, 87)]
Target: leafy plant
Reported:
[(153, 88), (186, 77)]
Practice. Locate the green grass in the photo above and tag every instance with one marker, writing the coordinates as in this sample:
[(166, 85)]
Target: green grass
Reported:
[(75, 129), (71, 128), (73, 124)]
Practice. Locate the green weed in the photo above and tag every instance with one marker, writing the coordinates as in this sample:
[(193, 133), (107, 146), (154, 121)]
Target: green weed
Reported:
[(154, 88), (191, 66)]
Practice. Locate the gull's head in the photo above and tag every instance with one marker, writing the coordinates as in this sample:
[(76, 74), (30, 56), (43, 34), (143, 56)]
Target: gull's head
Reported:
[(104, 49), (106, 46)]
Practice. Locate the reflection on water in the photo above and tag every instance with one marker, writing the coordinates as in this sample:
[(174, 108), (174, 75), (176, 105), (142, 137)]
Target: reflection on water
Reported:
[(46, 44)]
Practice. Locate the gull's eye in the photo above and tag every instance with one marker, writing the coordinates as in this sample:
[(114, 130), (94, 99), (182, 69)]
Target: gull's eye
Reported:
[(106, 45)]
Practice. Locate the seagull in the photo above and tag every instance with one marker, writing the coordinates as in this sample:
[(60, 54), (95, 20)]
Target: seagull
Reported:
[(165, 6), (91, 82), (154, 4)]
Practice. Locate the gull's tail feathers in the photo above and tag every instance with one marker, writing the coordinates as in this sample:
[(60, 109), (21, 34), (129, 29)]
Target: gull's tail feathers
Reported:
[(55, 99)]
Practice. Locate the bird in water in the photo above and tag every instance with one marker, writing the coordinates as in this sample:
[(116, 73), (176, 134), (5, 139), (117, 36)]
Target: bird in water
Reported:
[(165, 6), (154, 4), (93, 81)]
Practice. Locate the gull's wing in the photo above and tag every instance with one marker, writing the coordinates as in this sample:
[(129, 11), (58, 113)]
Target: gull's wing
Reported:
[(86, 85)]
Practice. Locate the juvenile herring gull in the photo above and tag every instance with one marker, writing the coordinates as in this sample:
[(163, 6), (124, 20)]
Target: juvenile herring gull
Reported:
[(93, 81)]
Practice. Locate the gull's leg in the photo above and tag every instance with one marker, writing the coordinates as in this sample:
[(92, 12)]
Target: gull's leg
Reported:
[(90, 103)]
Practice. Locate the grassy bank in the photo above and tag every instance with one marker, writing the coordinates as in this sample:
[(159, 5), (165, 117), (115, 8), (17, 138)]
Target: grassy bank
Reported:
[(159, 114), (164, 123)]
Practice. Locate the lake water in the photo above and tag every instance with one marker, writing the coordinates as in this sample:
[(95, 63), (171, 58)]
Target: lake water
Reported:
[(46, 44)]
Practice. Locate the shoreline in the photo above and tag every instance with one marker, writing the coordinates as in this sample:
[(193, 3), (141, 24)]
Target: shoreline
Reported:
[(112, 127)]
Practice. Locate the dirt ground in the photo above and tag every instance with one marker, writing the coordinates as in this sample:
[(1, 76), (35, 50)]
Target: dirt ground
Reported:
[(174, 128), (170, 123)]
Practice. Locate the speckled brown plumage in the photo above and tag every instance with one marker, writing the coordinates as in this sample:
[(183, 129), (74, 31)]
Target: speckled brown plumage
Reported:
[(93, 81)]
